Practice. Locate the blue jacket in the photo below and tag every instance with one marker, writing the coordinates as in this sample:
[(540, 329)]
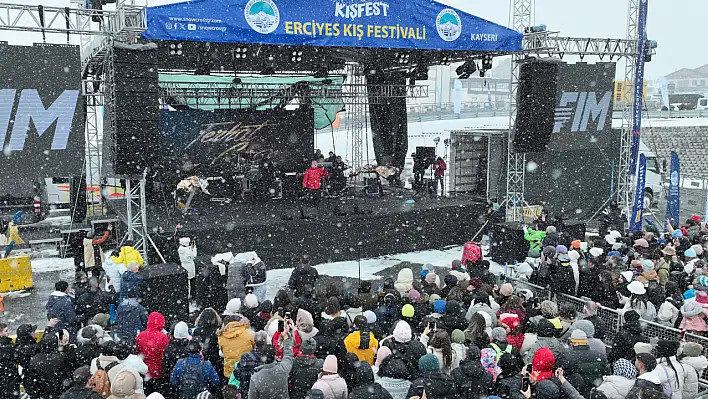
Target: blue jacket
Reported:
[(128, 281), (130, 317), (211, 378), (60, 306)]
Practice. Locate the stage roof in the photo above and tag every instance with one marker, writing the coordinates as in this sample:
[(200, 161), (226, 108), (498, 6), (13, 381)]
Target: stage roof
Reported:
[(394, 24)]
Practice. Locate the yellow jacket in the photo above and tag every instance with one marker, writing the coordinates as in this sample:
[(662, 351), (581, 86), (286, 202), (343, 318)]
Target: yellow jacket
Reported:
[(13, 234), (234, 339), (127, 255), (352, 341)]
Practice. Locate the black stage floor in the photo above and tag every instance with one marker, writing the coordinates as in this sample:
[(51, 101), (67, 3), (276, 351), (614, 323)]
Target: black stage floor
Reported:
[(333, 231)]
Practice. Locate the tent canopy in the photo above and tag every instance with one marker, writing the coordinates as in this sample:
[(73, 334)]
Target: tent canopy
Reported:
[(399, 24)]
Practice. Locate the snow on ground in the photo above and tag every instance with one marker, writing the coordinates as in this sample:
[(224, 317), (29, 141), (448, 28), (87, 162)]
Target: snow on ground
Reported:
[(52, 265)]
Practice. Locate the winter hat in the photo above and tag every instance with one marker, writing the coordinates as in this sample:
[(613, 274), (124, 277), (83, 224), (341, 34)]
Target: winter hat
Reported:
[(402, 332), (610, 240), (204, 395), (181, 331), (642, 347), (433, 298), (636, 287), (563, 257), (382, 354), (549, 251), (458, 336), (691, 308), (551, 230), (233, 307), (498, 334), (425, 270), (101, 319), (614, 253), (624, 368), (579, 337), (595, 252), (428, 363), (456, 264), (585, 326), (124, 385), (430, 278), (641, 243), (526, 294), (439, 306), (414, 296), (370, 317), (506, 290), (661, 241), (615, 234), (689, 294), (543, 361), (677, 234), (702, 297), (408, 310), (304, 321), (155, 395), (185, 241), (647, 265), (669, 251), (330, 363), (545, 328), (692, 349), (690, 253), (703, 281), (251, 301), (510, 320), (308, 346), (698, 249), (561, 249), (628, 276), (575, 244)]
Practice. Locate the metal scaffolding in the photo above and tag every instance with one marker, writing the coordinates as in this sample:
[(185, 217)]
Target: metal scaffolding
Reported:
[(357, 111)]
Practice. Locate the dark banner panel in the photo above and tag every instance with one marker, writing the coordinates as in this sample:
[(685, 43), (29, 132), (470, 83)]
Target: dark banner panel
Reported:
[(584, 101), (224, 140), (42, 112)]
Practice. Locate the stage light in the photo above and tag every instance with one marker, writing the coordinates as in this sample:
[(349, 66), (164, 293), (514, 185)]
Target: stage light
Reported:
[(487, 62), (466, 70), (176, 49), (403, 58), (535, 29), (241, 53), (296, 56), (445, 60)]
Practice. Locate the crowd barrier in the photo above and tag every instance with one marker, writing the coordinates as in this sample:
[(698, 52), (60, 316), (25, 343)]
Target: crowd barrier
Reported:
[(612, 318)]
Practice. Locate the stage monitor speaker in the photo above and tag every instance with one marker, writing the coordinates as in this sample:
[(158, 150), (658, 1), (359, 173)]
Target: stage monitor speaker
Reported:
[(536, 99), (135, 109), (507, 243), (165, 289), (574, 229)]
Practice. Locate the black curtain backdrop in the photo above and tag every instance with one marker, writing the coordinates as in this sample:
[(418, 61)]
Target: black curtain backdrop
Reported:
[(389, 118)]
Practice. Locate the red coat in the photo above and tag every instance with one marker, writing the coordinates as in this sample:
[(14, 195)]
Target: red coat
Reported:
[(313, 178), (440, 168), (151, 344), (279, 351)]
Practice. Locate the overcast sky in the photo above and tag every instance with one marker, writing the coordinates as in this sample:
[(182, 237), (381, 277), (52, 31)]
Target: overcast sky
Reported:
[(678, 26)]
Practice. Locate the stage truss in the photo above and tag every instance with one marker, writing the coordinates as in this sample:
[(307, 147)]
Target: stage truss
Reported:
[(549, 44)]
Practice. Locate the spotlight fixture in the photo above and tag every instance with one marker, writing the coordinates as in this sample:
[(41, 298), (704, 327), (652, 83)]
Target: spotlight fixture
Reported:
[(487, 62), (466, 70), (176, 49), (445, 60), (402, 58), (241, 53), (296, 56), (535, 29)]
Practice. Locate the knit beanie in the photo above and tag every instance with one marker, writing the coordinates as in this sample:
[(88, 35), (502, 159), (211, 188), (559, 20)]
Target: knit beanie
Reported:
[(692, 349), (677, 234), (439, 306), (647, 265), (251, 301), (181, 331), (414, 296), (456, 264), (308, 346), (382, 354), (408, 310), (506, 289), (498, 334), (233, 307), (433, 298), (631, 315), (458, 336), (428, 364), (330, 364), (370, 317), (430, 278)]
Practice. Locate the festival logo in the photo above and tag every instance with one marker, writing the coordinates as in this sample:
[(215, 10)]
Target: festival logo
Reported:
[(449, 25), (675, 179), (262, 15)]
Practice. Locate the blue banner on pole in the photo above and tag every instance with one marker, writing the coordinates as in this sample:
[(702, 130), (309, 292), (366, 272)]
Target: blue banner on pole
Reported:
[(635, 224), (410, 24), (673, 204), (638, 95)]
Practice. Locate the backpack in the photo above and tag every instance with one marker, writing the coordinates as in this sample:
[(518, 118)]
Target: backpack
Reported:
[(501, 352), (99, 382), (191, 383)]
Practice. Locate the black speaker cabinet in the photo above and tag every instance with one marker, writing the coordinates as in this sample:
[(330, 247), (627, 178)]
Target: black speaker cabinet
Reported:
[(574, 229), (507, 243), (165, 290), (536, 99)]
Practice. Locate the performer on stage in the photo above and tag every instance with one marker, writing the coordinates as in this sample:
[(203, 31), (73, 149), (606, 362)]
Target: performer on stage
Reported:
[(340, 180), (312, 182), (440, 167)]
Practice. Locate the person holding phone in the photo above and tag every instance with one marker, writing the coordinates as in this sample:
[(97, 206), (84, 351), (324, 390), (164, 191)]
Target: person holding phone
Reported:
[(271, 380)]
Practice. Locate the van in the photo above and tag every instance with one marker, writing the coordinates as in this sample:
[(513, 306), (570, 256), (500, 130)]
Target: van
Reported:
[(702, 104)]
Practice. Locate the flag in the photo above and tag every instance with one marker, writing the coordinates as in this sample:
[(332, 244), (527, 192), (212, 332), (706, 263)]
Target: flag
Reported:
[(457, 97), (642, 49), (635, 224), (673, 204)]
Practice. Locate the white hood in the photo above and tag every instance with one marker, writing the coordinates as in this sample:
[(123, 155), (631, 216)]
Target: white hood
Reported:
[(699, 363), (651, 376)]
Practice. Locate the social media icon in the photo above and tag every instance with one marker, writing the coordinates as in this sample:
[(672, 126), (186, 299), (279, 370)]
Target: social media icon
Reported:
[(191, 27)]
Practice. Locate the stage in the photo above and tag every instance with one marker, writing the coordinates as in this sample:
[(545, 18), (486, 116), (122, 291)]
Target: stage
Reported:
[(334, 231)]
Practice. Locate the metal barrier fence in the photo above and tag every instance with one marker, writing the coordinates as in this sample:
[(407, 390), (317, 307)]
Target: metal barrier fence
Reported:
[(612, 319)]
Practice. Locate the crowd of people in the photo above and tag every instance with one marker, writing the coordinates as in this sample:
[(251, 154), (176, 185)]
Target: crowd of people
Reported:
[(459, 332)]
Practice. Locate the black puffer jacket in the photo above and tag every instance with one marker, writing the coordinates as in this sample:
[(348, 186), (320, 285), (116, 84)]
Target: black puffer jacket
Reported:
[(25, 348), (364, 386), (9, 377), (177, 349), (303, 375), (623, 344), (508, 386), (302, 275), (454, 317), (472, 380), (410, 352), (437, 386), (80, 393), (52, 368)]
